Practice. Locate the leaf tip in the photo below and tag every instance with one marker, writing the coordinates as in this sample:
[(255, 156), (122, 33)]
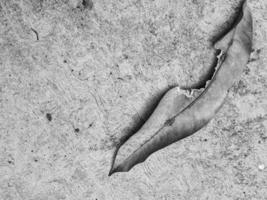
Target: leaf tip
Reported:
[(117, 169), (111, 171), (114, 167)]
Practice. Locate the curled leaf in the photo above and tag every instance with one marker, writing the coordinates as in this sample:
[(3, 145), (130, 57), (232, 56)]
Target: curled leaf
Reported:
[(181, 113)]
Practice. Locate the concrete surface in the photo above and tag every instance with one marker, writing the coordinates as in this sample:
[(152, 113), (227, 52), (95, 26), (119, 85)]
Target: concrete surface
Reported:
[(76, 76)]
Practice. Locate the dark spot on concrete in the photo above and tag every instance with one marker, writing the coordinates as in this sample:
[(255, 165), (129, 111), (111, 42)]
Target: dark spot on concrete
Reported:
[(90, 125), (48, 116), (88, 4), (77, 130), (65, 61), (35, 160), (252, 59), (205, 140), (247, 70), (125, 56), (10, 162)]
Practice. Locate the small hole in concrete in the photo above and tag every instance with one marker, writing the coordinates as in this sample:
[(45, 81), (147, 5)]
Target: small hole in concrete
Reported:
[(48, 116)]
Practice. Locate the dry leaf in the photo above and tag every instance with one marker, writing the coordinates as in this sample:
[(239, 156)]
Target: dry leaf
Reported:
[(180, 113)]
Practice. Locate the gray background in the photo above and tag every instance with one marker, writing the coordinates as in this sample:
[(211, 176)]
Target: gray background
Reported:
[(96, 68)]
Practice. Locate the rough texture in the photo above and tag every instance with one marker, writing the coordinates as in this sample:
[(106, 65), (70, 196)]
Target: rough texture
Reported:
[(76, 75)]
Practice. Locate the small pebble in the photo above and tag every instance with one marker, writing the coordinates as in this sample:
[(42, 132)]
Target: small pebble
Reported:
[(261, 166)]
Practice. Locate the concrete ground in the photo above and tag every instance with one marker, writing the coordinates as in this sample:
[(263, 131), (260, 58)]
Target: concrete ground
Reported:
[(77, 75)]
